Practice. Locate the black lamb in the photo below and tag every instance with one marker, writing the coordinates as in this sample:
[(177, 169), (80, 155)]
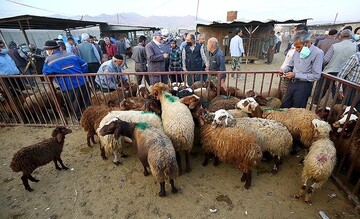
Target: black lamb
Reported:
[(31, 157)]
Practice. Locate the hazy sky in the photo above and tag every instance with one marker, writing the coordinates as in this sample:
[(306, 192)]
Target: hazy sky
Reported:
[(319, 10)]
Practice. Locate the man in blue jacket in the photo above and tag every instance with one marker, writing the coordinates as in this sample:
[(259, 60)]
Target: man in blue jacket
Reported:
[(73, 87)]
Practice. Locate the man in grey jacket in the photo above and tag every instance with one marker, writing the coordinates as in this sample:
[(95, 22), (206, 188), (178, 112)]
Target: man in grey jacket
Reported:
[(155, 57)]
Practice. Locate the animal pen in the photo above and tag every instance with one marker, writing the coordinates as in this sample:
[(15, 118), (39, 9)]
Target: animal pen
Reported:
[(33, 100)]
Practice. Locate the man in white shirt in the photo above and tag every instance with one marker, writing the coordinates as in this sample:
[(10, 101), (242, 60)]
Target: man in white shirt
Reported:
[(236, 51)]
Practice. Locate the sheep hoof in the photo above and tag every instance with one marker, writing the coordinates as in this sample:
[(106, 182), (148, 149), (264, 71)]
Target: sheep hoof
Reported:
[(188, 170), (58, 168), (274, 171), (205, 163), (65, 168), (247, 185), (162, 194), (174, 190), (146, 173), (117, 163), (30, 189), (104, 157), (243, 178)]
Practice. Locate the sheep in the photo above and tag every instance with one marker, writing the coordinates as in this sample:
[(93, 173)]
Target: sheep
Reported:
[(236, 113), (110, 145), (42, 100), (31, 157), (320, 161), (153, 147), (143, 91), (233, 145), (178, 123), (296, 120), (91, 118), (273, 102), (272, 136), (114, 97), (228, 103)]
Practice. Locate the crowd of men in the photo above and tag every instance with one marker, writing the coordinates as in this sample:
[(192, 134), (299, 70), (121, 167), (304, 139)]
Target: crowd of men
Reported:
[(337, 53)]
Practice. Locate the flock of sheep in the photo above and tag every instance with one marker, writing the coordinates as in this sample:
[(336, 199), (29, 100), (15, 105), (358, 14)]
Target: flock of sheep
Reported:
[(233, 130)]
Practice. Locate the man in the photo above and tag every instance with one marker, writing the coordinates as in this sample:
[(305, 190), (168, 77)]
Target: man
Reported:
[(71, 47), (236, 51), (304, 68), (216, 61), (175, 62), (102, 45), (271, 49), (121, 49), (8, 67), (278, 42), (73, 87), (155, 56), (139, 56), (92, 41), (19, 58), (205, 66), (351, 72), (193, 57), (334, 61), (329, 40), (88, 52), (109, 83)]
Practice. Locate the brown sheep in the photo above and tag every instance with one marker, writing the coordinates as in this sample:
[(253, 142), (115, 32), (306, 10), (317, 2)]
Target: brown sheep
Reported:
[(228, 103), (114, 97), (31, 157), (233, 145)]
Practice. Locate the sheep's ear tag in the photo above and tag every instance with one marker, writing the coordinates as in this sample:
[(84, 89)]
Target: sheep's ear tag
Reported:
[(58, 137)]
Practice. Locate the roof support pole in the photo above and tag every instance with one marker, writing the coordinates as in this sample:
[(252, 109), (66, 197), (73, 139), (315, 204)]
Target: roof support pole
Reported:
[(24, 33)]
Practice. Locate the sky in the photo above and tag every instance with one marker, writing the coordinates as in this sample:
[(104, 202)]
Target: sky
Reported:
[(212, 10)]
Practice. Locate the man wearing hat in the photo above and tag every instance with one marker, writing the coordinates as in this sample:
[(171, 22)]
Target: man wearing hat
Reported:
[(155, 57), (109, 82), (74, 88)]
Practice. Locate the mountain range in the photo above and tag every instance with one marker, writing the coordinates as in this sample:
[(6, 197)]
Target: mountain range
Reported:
[(138, 20)]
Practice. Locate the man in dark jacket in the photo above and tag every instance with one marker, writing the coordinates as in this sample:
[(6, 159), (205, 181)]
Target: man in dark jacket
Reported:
[(216, 61)]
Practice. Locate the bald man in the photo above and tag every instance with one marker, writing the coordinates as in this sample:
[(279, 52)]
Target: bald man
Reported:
[(216, 61)]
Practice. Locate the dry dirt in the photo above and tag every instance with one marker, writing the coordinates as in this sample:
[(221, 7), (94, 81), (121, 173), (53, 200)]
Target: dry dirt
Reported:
[(94, 188)]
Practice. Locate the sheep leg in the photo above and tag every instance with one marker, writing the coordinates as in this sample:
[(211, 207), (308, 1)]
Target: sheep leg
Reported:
[(243, 177), (56, 165), (178, 158), (300, 193), (206, 160), (276, 164), (32, 179), (102, 150), (187, 160), (116, 160), (173, 188), (88, 138), (62, 164), (93, 139), (248, 180), (309, 193), (25, 181), (162, 192), (216, 161), (146, 172)]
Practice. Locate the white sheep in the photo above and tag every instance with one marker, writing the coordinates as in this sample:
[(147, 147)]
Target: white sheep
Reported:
[(110, 145), (177, 121), (272, 136), (320, 161)]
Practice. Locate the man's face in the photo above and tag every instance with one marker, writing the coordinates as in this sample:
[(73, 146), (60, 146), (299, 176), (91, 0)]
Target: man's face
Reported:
[(71, 42), (107, 41), (188, 39), (117, 62), (209, 45), (202, 40), (298, 45), (92, 41), (158, 38)]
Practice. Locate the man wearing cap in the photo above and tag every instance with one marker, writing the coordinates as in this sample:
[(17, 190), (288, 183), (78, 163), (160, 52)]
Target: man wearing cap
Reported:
[(109, 82), (155, 57), (303, 69), (236, 50), (89, 53), (326, 43), (334, 61), (74, 87)]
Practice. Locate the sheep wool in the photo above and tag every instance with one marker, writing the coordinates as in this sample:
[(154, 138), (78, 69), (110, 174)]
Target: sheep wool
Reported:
[(233, 145), (320, 161)]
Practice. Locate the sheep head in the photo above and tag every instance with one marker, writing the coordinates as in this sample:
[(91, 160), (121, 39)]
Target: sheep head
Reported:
[(224, 118), (247, 105), (350, 125), (114, 127), (190, 101), (321, 128), (60, 132), (159, 88)]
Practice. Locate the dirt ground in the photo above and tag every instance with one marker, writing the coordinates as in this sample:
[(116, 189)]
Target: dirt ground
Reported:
[(94, 188)]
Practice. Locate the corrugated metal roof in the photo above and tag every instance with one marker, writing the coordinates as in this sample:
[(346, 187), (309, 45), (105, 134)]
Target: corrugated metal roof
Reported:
[(244, 21), (44, 23), (126, 28)]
